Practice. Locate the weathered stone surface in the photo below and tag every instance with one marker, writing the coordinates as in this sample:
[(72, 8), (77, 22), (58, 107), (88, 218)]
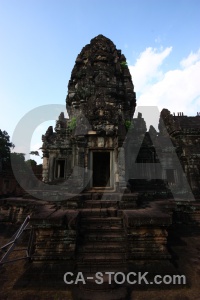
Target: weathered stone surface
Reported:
[(113, 215), (184, 133), (101, 87), (100, 102)]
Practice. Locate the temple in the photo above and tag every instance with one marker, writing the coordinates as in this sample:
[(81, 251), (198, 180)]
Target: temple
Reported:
[(123, 187), (100, 103), (100, 136)]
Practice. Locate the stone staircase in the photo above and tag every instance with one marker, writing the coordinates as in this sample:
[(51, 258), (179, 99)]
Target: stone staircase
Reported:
[(101, 248)]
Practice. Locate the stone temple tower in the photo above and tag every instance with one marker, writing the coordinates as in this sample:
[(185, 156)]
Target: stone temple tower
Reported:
[(101, 87), (100, 103), (97, 215)]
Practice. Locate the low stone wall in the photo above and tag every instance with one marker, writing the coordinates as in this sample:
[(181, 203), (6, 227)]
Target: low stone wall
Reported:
[(55, 229), (187, 213), (55, 237), (146, 231)]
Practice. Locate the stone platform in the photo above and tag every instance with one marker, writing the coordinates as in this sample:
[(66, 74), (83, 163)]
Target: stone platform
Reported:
[(96, 236)]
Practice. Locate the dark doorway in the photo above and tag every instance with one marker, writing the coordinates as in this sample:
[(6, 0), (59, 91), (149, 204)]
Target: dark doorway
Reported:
[(170, 175), (101, 169), (60, 169)]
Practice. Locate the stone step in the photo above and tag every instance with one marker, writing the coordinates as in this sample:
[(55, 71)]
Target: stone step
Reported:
[(113, 294), (92, 251), (107, 237), (95, 196), (85, 230), (99, 247), (91, 278), (101, 227), (62, 257), (100, 204), (144, 255), (99, 220), (102, 257), (127, 205), (99, 212), (101, 266), (100, 281), (87, 267)]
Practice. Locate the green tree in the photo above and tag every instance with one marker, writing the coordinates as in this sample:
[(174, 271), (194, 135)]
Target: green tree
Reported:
[(34, 153), (31, 162), (18, 158), (124, 64), (18, 161), (5, 148)]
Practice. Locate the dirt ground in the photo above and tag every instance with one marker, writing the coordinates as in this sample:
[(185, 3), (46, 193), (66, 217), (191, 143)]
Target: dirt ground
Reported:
[(184, 247), (185, 250)]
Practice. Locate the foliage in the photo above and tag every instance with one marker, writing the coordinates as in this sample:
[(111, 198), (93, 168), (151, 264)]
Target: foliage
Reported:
[(34, 153), (31, 162), (8, 159), (128, 124), (17, 157), (5, 147), (124, 64), (72, 124), (17, 161)]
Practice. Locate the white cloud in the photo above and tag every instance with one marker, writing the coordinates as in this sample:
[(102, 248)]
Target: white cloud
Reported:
[(147, 68), (191, 59), (177, 90)]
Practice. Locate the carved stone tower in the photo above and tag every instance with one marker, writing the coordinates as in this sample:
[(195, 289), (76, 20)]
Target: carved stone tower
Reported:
[(100, 103), (101, 87)]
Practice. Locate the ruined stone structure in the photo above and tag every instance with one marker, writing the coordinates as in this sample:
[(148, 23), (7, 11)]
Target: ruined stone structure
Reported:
[(184, 133), (119, 179), (166, 154), (100, 103), (112, 232), (9, 186)]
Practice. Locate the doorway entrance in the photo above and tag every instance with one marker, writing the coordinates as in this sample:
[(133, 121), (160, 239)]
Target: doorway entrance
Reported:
[(60, 168), (101, 169)]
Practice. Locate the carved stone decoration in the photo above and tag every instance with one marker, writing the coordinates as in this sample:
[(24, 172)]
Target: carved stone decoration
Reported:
[(115, 178), (101, 86), (100, 102)]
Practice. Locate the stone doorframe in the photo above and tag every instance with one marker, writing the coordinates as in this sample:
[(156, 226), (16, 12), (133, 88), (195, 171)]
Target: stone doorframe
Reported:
[(91, 151)]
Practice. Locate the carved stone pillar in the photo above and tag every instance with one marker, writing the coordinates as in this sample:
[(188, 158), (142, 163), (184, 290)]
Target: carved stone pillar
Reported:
[(121, 168), (45, 170), (51, 168)]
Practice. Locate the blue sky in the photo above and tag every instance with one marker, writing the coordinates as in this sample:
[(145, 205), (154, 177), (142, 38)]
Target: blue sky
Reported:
[(40, 41)]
